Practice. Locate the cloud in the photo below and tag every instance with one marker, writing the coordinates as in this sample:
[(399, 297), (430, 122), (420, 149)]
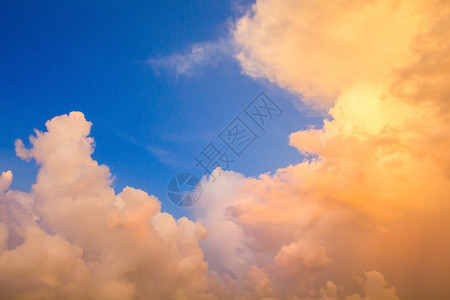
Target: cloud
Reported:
[(319, 48), (373, 191), (370, 199), (73, 237), (302, 253), (200, 55), (79, 240), (5, 180)]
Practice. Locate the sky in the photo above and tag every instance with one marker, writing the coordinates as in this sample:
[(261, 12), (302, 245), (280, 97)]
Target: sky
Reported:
[(342, 193), (108, 60)]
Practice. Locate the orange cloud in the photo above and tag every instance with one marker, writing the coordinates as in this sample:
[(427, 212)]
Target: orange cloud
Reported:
[(371, 194)]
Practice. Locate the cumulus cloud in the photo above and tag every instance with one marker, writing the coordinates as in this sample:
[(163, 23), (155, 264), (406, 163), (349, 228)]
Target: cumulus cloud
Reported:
[(301, 253), (76, 239), (320, 48), (5, 180), (73, 237), (372, 192)]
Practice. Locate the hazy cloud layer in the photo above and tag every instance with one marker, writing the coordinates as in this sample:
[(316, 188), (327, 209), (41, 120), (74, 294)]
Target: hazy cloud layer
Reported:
[(188, 62)]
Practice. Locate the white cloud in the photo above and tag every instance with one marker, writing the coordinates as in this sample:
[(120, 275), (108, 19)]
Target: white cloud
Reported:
[(5, 180), (200, 55), (69, 239)]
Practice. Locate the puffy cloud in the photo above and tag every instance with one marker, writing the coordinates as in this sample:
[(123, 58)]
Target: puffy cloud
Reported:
[(372, 192), (5, 181), (72, 237), (320, 48), (302, 253), (376, 287), (258, 283), (225, 250)]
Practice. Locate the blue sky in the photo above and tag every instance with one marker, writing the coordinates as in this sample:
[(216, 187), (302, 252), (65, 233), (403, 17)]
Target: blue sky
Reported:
[(149, 121)]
